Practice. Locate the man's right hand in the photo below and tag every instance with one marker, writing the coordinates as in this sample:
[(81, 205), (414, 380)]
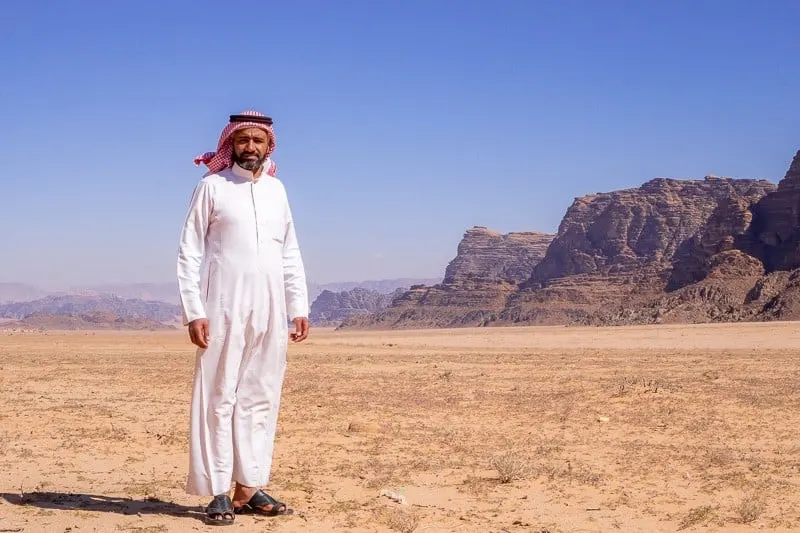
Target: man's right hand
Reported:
[(198, 332)]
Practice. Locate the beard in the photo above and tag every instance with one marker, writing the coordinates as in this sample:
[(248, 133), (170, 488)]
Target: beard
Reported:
[(244, 160)]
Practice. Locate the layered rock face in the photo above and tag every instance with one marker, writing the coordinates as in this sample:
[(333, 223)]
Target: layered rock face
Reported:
[(664, 219), (486, 256), (776, 226), (617, 252), (382, 286), (487, 268), (716, 249), (331, 308)]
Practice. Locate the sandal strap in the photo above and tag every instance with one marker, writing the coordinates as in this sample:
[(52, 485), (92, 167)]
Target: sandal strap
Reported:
[(221, 504), (261, 498)]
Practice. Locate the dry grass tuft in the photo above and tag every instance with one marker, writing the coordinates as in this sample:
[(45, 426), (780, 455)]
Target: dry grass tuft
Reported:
[(401, 520), (511, 466), (750, 509), (627, 385), (144, 529), (697, 516)]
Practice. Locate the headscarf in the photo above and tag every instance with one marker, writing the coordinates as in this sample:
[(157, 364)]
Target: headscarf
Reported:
[(223, 157)]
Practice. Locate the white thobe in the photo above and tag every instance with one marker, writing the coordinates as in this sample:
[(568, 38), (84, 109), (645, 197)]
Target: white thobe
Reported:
[(239, 266)]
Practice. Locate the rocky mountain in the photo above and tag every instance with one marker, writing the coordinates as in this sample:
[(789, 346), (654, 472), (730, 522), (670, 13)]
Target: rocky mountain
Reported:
[(776, 224), (715, 249), (95, 308), (487, 268), (617, 251), (383, 286), (98, 320), (650, 225), (331, 308), (168, 292), (159, 292)]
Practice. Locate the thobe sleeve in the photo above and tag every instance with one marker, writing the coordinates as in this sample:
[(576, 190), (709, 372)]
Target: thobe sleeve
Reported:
[(190, 252), (294, 276)]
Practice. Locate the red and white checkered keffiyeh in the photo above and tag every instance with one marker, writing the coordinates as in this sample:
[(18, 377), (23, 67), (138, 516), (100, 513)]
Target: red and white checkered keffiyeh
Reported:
[(222, 158)]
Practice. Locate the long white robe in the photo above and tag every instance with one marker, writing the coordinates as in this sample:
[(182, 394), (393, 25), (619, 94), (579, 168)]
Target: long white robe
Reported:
[(239, 266)]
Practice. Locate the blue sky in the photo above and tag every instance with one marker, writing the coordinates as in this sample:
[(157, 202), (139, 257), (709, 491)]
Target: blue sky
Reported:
[(399, 124)]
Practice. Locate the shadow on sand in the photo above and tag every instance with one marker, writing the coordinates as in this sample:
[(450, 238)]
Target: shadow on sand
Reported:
[(102, 504)]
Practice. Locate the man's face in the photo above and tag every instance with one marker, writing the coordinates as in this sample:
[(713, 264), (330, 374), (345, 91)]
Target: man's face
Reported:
[(250, 148)]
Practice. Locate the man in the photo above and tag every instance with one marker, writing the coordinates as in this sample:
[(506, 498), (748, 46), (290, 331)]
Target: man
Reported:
[(241, 277)]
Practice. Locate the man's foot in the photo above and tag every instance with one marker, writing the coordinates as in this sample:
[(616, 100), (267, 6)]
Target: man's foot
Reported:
[(220, 511), (249, 500)]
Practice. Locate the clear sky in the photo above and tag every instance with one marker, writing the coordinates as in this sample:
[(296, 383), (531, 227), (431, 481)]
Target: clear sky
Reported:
[(399, 123)]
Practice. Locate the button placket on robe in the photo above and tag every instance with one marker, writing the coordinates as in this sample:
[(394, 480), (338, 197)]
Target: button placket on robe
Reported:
[(262, 237), (255, 215)]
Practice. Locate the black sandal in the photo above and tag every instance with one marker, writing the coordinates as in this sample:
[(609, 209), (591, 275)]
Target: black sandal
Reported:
[(220, 511), (259, 500)]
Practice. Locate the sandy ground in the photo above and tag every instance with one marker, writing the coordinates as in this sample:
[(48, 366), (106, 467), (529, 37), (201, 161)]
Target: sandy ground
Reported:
[(528, 429)]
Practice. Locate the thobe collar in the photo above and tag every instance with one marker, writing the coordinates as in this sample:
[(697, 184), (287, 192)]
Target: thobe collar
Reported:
[(248, 174)]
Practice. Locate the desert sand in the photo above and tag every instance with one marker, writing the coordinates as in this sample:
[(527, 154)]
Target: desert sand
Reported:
[(549, 429)]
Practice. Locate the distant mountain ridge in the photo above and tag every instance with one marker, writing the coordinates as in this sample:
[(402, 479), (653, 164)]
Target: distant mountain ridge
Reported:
[(167, 292), (382, 286), (78, 305), (87, 321), (159, 292)]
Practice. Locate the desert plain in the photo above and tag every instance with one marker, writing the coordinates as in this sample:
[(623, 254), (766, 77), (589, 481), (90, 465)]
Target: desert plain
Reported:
[(543, 429)]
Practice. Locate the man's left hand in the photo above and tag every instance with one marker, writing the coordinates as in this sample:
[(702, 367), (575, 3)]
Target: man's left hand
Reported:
[(300, 329)]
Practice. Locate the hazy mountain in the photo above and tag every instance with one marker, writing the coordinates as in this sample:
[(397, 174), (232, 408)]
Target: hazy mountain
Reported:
[(87, 321), (161, 292), (383, 286), (166, 292), (79, 305)]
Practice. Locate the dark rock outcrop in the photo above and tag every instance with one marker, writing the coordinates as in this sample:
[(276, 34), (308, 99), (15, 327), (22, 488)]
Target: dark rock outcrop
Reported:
[(331, 308), (617, 254), (487, 268), (776, 224), (486, 256), (661, 221), (383, 286)]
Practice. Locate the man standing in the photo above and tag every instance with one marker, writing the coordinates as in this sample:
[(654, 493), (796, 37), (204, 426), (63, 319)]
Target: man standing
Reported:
[(241, 278)]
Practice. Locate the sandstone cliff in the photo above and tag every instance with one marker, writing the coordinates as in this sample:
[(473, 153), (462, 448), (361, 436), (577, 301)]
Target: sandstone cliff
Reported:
[(716, 249), (331, 308), (486, 257), (616, 254), (661, 221), (776, 225), (383, 286), (487, 268)]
